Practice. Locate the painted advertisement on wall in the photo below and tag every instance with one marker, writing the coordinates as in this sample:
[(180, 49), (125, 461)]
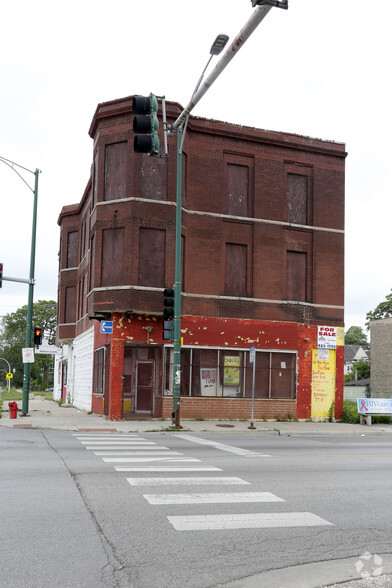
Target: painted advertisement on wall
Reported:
[(323, 381)]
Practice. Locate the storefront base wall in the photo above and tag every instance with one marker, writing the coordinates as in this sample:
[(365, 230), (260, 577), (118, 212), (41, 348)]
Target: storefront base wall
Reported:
[(97, 404), (235, 408), (221, 333)]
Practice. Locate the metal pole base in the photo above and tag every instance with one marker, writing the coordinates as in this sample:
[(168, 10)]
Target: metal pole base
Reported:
[(251, 426)]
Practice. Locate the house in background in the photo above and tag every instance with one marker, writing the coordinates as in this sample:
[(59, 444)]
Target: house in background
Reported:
[(262, 266), (353, 353)]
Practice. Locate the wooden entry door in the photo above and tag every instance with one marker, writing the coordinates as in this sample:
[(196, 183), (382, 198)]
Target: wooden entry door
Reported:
[(144, 386)]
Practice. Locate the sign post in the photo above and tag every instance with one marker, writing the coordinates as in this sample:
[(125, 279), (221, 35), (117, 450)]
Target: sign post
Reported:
[(252, 360)]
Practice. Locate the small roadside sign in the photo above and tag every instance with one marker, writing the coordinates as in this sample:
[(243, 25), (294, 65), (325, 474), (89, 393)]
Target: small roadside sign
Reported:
[(28, 354), (9, 376), (252, 354), (107, 327)]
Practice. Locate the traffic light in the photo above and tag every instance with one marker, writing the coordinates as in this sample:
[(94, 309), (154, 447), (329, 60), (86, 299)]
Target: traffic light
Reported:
[(1, 275), (146, 124), (37, 336), (168, 314), (168, 303)]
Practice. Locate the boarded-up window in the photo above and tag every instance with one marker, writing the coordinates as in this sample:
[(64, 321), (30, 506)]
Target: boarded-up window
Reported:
[(153, 183), (152, 257), (282, 375), (237, 190), (296, 276), (235, 275), (72, 249), (112, 269), (95, 186), (70, 304), (297, 199), (92, 262), (115, 171)]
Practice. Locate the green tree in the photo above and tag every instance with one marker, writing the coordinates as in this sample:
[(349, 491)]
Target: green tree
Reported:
[(362, 368), (355, 336), (383, 310), (13, 339)]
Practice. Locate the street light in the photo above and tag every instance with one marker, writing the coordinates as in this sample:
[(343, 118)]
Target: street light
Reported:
[(30, 281), (262, 9)]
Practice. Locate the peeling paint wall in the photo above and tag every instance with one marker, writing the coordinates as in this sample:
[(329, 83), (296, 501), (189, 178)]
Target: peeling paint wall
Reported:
[(222, 333)]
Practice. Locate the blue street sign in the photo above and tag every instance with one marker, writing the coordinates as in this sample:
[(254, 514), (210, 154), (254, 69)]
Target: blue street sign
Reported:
[(252, 354), (106, 326)]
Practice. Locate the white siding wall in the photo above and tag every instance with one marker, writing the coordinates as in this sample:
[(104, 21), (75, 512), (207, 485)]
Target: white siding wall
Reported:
[(57, 377), (81, 370)]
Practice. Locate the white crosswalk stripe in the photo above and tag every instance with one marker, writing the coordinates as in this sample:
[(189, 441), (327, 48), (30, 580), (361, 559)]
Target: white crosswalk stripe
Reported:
[(147, 459), (212, 498), (106, 436), (130, 443), (167, 469), (147, 451), (185, 481), (255, 520)]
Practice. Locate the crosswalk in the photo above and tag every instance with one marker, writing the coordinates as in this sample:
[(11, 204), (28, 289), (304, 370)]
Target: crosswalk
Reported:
[(133, 454)]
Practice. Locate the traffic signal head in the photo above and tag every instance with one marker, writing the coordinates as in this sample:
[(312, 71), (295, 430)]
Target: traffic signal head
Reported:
[(145, 124), (168, 303), (1, 275), (37, 336)]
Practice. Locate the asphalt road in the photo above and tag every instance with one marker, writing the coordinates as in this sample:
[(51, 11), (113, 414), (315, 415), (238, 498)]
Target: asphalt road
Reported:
[(201, 510)]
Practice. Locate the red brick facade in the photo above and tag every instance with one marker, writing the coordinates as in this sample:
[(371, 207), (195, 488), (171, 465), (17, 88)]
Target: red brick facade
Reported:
[(275, 201)]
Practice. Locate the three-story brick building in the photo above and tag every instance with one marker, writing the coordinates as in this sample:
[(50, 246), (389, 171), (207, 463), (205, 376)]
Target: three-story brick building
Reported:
[(262, 265)]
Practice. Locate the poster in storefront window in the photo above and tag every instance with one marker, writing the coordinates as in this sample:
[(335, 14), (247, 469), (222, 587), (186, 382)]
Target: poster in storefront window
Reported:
[(231, 371), (208, 381)]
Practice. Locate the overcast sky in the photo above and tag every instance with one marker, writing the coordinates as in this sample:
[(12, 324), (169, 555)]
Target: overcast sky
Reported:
[(320, 69)]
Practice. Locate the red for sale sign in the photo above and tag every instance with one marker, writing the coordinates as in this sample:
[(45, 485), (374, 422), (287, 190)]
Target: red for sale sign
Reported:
[(326, 337)]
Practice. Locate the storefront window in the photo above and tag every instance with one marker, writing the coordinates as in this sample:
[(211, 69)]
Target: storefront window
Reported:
[(229, 374)]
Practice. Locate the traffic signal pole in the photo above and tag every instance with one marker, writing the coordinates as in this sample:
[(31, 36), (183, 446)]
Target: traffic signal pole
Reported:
[(26, 374), (29, 325), (177, 291)]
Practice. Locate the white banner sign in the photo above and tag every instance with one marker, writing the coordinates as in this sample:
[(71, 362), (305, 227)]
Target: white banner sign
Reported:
[(374, 405)]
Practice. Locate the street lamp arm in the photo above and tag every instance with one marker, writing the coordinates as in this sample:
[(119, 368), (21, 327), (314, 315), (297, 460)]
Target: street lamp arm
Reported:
[(13, 166), (9, 367), (257, 16)]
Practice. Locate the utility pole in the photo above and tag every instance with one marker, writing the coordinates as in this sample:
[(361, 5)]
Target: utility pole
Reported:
[(31, 280)]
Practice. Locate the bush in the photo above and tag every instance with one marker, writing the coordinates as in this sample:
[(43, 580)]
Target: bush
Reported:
[(350, 412)]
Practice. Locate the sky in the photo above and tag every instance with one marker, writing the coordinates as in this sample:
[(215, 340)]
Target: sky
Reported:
[(319, 69)]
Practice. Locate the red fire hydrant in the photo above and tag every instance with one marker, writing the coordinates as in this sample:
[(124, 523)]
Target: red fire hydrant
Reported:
[(13, 410)]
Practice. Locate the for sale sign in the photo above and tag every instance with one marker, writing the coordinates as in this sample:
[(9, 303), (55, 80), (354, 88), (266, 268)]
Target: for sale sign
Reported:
[(326, 337)]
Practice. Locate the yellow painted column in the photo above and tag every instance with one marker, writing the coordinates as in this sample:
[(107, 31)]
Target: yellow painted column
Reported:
[(323, 381)]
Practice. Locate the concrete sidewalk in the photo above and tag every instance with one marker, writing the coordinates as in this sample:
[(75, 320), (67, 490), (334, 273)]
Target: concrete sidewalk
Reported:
[(47, 414)]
